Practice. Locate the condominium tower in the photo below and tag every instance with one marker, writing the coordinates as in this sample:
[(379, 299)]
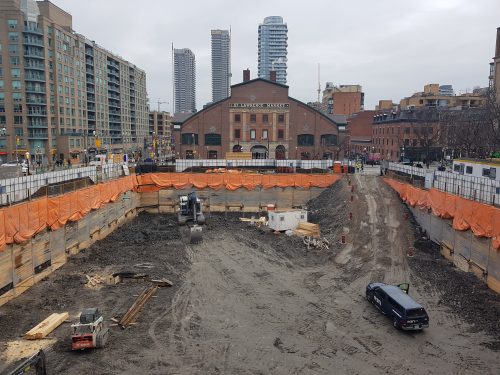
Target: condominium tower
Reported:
[(62, 95), (184, 80), (273, 37), (221, 64)]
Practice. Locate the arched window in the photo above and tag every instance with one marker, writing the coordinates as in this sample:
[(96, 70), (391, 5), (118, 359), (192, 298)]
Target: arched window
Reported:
[(212, 139), (259, 152), (329, 140), (280, 152), (189, 138), (305, 140)]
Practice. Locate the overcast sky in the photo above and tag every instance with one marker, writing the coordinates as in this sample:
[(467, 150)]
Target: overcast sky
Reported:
[(390, 47)]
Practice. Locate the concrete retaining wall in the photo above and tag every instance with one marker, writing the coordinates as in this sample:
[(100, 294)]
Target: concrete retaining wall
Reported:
[(23, 265), (468, 252)]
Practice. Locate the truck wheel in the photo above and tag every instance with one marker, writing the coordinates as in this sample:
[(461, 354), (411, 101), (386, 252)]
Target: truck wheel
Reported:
[(395, 323)]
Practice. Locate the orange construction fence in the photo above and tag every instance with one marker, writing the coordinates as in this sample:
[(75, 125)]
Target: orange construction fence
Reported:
[(21, 222), (483, 220), (152, 182)]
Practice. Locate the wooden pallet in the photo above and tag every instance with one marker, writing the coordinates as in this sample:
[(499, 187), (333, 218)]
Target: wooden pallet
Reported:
[(45, 327)]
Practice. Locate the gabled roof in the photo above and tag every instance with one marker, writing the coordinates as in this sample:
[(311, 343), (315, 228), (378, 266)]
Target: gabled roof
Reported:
[(260, 79), (336, 120)]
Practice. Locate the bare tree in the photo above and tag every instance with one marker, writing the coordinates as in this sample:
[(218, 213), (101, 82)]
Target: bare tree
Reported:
[(427, 130), (467, 132), (493, 118)]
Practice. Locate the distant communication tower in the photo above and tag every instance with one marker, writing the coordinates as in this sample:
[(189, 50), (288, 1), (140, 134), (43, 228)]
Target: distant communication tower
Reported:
[(319, 83)]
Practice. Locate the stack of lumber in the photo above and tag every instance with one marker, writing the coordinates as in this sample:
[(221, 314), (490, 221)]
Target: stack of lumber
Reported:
[(136, 308), (42, 329), (306, 229), (253, 221)]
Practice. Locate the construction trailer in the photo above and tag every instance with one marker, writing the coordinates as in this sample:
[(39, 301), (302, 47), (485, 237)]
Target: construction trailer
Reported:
[(286, 220)]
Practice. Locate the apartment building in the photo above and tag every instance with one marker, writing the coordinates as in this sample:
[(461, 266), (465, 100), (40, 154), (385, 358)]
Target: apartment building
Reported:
[(343, 99), (272, 49), (436, 96), (62, 96), (184, 81), (221, 64), (160, 143)]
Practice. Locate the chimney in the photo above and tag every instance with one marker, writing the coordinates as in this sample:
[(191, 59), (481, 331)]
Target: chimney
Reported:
[(272, 75), (497, 51), (246, 75)]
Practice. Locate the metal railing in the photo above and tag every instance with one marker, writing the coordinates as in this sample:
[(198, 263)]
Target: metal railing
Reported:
[(57, 181), (480, 189), (182, 165)]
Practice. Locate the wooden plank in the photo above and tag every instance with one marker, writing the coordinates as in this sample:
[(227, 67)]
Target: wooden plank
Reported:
[(134, 310), (45, 327)]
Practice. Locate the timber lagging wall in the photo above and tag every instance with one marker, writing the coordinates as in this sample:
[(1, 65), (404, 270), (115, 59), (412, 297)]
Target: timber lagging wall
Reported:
[(23, 265), (468, 252)]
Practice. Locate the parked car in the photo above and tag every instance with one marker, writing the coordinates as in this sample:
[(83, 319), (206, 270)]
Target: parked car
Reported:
[(394, 302)]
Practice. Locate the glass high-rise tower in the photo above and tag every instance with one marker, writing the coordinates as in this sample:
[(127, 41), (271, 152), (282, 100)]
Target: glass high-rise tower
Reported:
[(184, 80), (273, 43), (221, 64)]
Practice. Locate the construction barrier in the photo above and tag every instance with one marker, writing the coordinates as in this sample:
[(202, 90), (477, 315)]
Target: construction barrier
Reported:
[(21, 222), (483, 220), (152, 182)]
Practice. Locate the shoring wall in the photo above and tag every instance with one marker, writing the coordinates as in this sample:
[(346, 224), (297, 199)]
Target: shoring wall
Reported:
[(468, 237), (24, 264), (36, 237)]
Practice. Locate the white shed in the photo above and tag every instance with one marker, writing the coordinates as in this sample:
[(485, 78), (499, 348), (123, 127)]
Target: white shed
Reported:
[(286, 220)]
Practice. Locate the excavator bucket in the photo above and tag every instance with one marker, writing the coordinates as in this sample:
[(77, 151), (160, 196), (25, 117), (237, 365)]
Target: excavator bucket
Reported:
[(195, 234)]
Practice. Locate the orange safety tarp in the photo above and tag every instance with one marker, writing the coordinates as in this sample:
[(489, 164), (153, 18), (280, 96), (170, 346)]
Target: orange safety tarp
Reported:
[(152, 182), (482, 219), (20, 222)]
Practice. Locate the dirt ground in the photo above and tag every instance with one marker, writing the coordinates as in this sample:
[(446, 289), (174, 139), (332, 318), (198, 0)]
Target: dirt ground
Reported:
[(247, 301)]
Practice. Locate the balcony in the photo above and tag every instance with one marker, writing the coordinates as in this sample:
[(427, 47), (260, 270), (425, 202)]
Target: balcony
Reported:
[(114, 74), (35, 90), (31, 66), (37, 113), (34, 77), (89, 71), (33, 42), (34, 54), (37, 123), (32, 30), (89, 52), (38, 135), (89, 62), (36, 101)]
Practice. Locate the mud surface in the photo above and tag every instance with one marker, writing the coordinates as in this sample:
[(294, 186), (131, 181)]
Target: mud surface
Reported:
[(247, 301)]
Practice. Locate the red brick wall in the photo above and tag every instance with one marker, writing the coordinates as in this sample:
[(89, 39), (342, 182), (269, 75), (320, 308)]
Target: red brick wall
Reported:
[(298, 119)]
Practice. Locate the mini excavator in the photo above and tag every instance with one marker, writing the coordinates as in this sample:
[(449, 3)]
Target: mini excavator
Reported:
[(191, 210)]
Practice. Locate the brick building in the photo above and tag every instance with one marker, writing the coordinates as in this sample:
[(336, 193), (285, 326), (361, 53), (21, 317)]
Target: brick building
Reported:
[(343, 99), (259, 117), (359, 132), (412, 134)]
